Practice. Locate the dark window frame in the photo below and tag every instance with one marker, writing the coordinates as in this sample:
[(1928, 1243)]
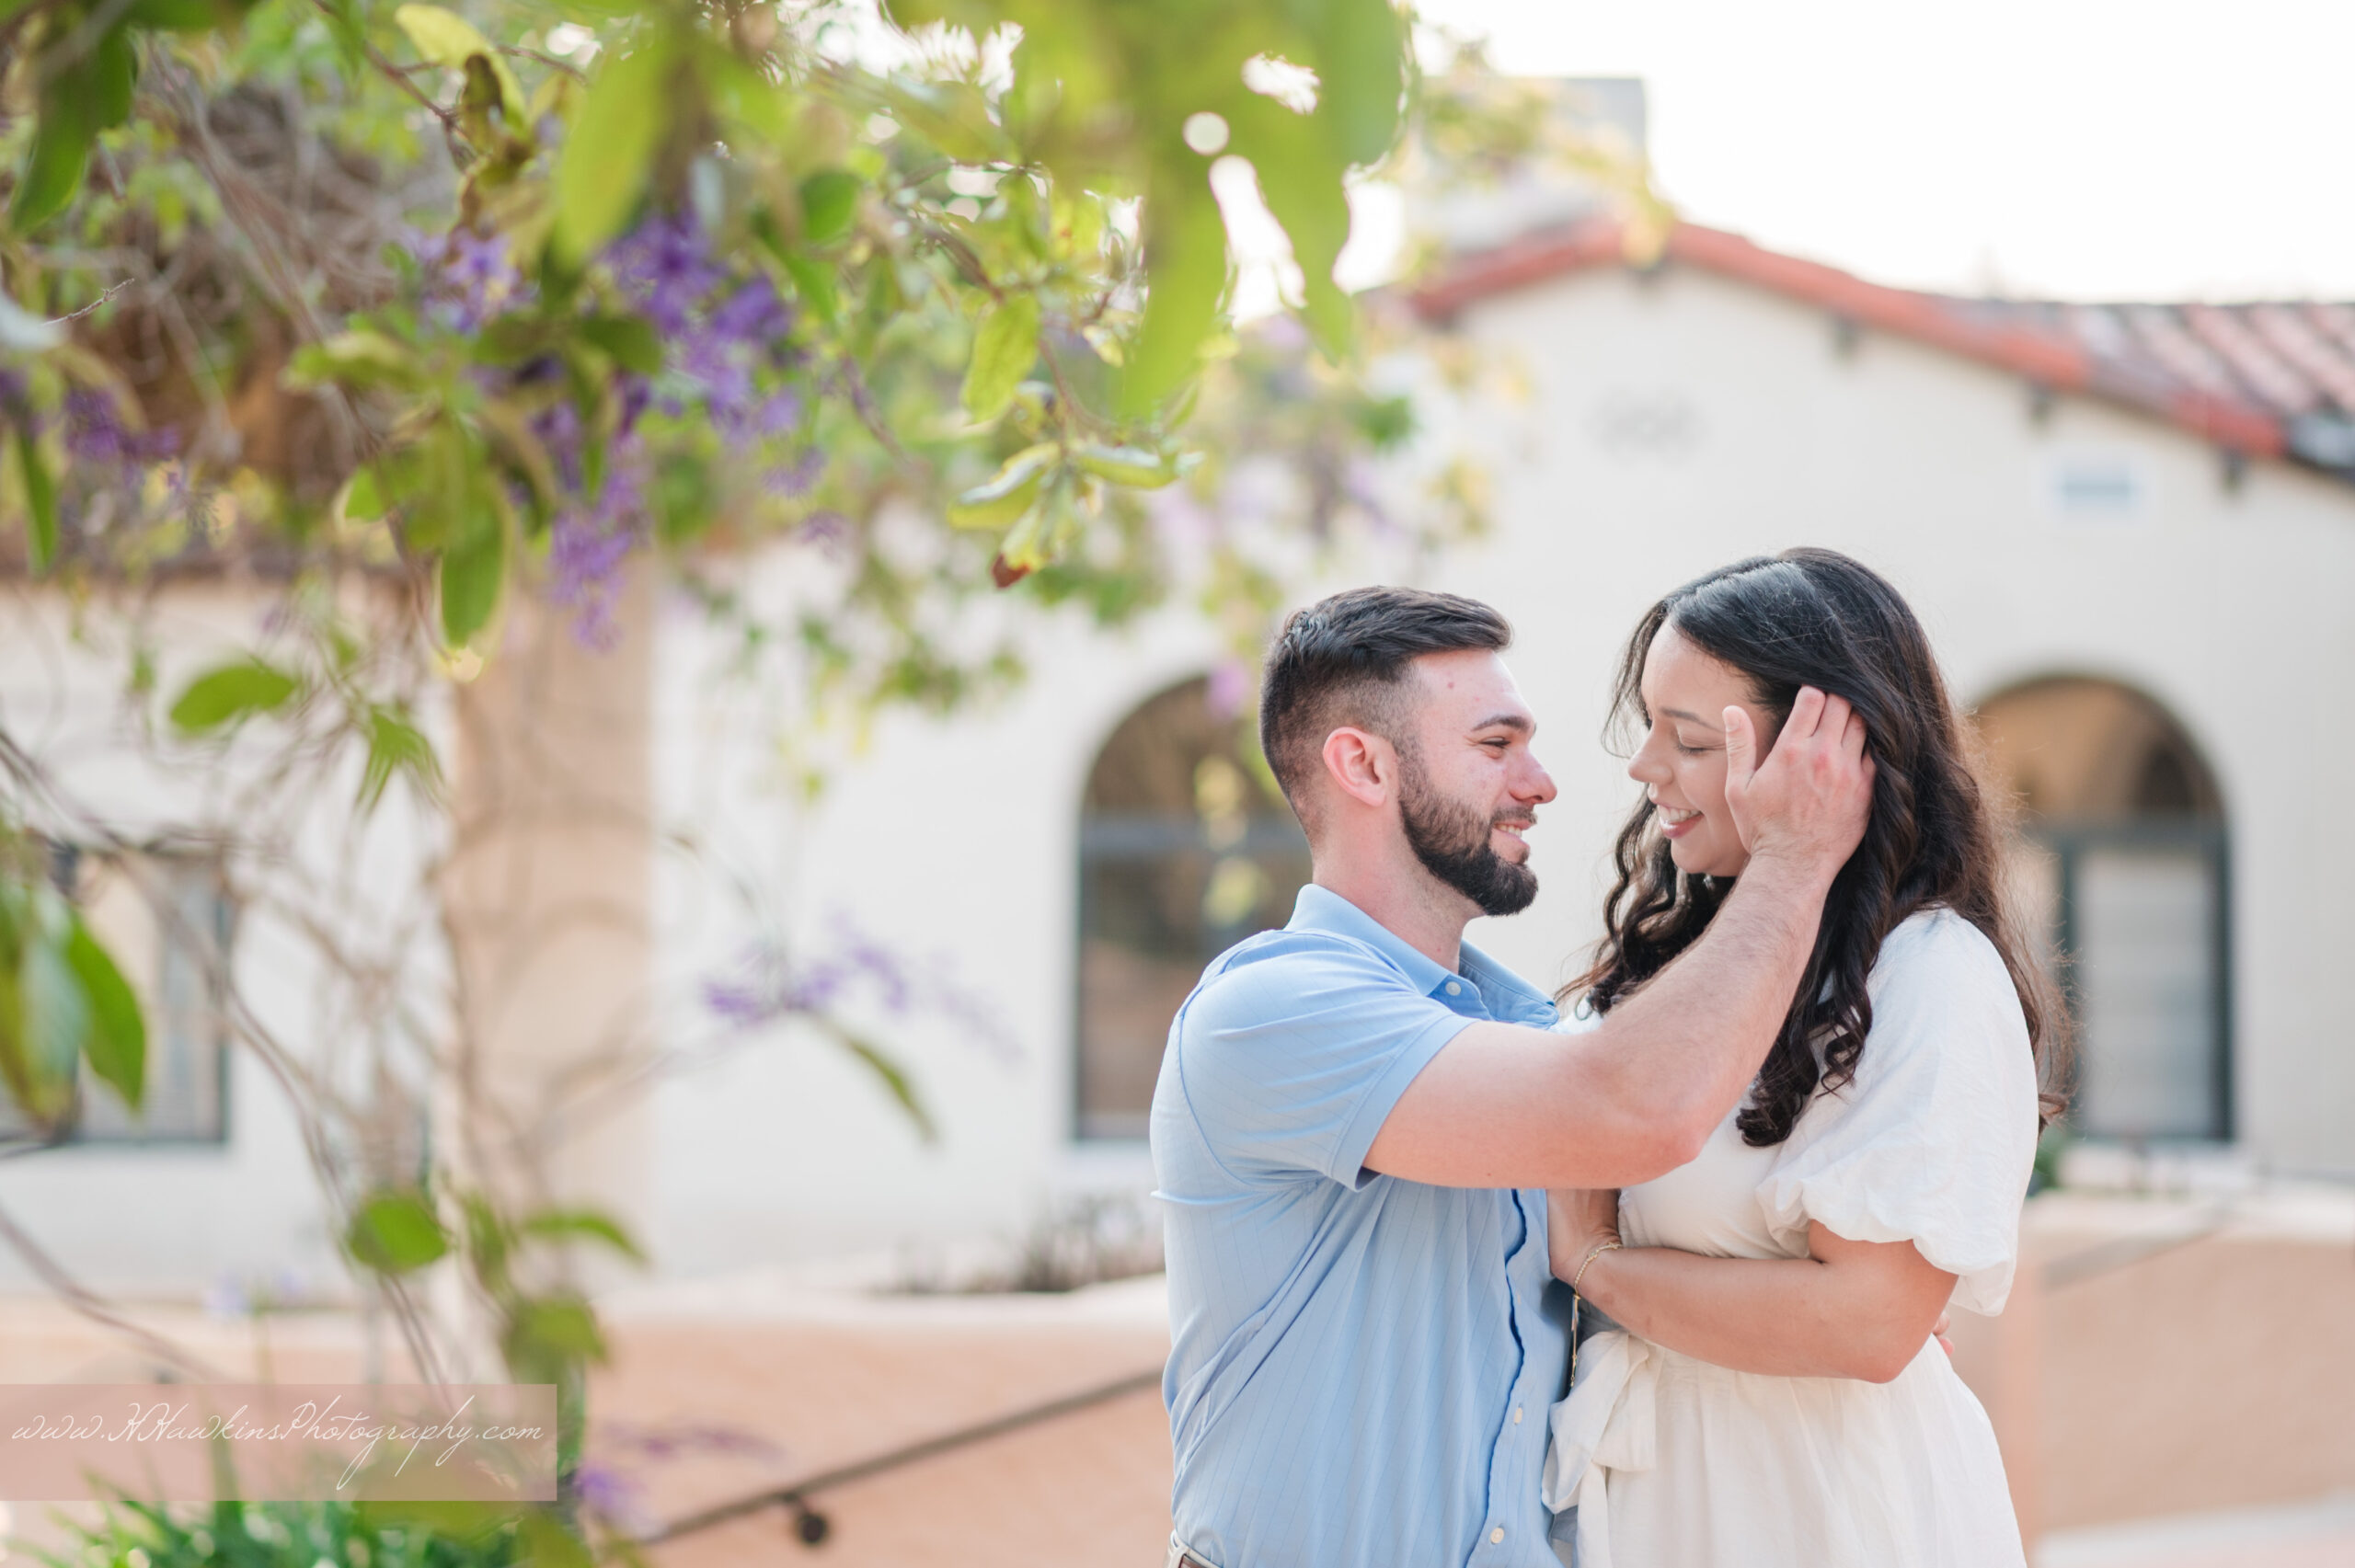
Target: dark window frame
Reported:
[(1149, 837), (2212, 840)]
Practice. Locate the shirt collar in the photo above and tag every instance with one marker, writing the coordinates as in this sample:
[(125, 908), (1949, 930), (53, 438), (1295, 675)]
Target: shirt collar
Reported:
[(1505, 994)]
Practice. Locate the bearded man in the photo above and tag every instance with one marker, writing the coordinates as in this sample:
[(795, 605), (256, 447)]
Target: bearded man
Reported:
[(1358, 1115)]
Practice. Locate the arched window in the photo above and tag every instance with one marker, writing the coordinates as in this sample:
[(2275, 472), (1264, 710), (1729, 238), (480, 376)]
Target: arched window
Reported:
[(1185, 849), (2128, 871)]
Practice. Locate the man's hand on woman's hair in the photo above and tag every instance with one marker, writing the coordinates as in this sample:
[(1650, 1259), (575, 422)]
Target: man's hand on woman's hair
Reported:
[(1808, 801)]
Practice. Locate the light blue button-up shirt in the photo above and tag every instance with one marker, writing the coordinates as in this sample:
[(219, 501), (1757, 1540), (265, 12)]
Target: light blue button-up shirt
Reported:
[(1362, 1365)]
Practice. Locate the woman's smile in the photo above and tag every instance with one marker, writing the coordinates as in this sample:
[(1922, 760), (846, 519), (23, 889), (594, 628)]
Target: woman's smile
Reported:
[(1674, 821)]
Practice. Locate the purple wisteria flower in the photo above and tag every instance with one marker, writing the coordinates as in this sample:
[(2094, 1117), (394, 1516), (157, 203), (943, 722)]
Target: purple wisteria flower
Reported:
[(609, 1484), (797, 477), (719, 335), (614, 1496), (754, 314), (588, 545), (95, 433), (728, 356), (767, 986), (665, 265), (16, 400), (469, 278)]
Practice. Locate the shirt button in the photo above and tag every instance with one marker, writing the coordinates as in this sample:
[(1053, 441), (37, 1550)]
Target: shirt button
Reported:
[(1516, 1416), (1453, 989), (1496, 1536)]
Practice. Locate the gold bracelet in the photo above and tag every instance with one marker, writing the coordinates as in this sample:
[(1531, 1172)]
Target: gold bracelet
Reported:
[(1577, 1300), (1600, 1248)]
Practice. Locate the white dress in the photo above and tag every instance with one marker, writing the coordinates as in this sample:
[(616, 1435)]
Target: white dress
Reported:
[(1672, 1462)]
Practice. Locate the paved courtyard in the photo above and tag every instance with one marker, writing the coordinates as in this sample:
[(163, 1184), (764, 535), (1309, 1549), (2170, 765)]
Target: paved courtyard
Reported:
[(2171, 1430)]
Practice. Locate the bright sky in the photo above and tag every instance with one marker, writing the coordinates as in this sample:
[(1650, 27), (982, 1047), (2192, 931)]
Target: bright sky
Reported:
[(2149, 149)]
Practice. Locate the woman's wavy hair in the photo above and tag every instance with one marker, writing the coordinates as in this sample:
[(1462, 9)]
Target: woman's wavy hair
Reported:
[(1817, 618)]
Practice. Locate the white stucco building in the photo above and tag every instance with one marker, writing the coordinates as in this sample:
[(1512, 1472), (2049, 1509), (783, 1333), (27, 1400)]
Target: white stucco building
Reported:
[(2133, 560)]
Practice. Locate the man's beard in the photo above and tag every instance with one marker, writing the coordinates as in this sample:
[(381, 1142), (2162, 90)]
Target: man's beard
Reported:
[(1452, 841)]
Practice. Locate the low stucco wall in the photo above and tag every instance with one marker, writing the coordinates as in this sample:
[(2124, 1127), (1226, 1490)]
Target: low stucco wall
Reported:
[(2173, 1355)]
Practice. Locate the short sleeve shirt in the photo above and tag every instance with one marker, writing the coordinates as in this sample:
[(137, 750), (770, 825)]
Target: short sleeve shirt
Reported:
[(1360, 1365)]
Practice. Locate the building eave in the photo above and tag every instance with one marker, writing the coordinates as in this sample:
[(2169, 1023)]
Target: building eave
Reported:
[(2048, 359)]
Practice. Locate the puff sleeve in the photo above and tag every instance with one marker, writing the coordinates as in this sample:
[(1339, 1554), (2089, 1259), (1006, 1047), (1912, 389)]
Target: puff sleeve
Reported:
[(1933, 1141)]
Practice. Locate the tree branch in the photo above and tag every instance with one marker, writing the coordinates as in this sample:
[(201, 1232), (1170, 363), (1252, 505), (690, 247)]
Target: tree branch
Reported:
[(396, 74)]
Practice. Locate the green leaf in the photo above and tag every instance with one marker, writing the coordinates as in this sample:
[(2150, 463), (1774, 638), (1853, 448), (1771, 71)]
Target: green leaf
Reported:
[(396, 747), (232, 692), (489, 1242), (1361, 60), (683, 498), (1301, 181), (45, 1096), (609, 147), (547, 1544), (117, 1044), (582, 1224), (54, 1010), (435, 1520), (450, 40), (1006, 344), (1008, 493), (511, 428), (759, 108), (396, 1231), (1186, 272), (53, 168), (630, 340), (563, 1324), (512, 339), (1129, 466), (361, 358), (109, 75), (890, 1075), (1030, 544), (346, 21), (472, 573), (40, 503), (363, 497), (829, 202), (815, 282)]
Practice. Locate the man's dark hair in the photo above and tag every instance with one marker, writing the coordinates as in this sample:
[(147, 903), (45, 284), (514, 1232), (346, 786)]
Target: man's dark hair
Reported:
[(1342, 661)]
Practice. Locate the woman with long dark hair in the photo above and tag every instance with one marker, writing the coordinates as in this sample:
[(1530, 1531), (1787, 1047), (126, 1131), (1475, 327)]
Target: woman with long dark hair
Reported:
[(1772, 1394)]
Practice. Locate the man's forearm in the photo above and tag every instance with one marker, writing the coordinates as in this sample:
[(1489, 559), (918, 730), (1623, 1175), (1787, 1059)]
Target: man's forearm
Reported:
[(1506, 1107), (1690, 1042)]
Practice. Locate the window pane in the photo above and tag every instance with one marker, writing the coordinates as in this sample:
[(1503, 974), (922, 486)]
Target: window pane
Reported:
[(1152, 922), (2146, 987), (1184, 850)]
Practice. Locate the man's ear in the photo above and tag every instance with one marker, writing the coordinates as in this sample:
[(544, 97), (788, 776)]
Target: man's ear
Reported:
[(1361, 765)]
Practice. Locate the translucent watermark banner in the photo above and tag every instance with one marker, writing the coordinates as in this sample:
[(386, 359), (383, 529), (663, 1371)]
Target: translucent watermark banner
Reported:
[(278, 1442)]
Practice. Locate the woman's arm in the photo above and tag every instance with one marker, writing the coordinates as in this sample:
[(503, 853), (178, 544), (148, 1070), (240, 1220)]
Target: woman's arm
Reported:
[(1852, 1310)]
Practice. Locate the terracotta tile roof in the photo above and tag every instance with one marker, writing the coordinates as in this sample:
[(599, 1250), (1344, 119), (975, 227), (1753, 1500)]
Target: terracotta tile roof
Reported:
[(2266, 380)]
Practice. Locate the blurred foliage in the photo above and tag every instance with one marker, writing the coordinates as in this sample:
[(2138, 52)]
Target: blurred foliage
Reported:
[(341, 1535), (501, 298)]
